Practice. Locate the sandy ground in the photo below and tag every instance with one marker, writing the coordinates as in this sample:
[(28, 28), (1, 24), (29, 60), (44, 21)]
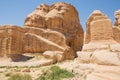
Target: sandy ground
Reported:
[(35, 67), (35, 60)]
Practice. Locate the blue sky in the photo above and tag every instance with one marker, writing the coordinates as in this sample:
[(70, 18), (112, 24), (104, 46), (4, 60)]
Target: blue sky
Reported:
[(15, 11)]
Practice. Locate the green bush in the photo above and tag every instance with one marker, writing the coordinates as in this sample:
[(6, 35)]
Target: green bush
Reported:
[(20, 77), (55, 73)]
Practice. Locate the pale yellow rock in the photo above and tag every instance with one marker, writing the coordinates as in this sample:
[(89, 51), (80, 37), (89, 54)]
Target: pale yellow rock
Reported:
[(84, 57), (115, 47), (117, 18), (60, 56), (56, 56), (104, 73), (50, 55), (105, 57)]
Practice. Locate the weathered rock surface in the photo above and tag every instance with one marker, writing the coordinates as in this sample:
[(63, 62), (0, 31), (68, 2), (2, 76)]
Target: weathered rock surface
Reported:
[(99, 27), (105, 57), (49, 37), (58, 17), (91, 71), (54, 31), (116, 32), (11, 41), (116, 28), (117, 18), (101, 41), (48, 28), (101, 57), (100, 34), (37, 17), (54, 28), (56, 56)]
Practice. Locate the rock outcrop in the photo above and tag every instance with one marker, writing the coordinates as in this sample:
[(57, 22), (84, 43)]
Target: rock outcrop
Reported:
[(101, 39), (117, 18), (99, 27), (48, 28), (11, 41), (56, 27), (116, 28), (37, 17), (100, 56)]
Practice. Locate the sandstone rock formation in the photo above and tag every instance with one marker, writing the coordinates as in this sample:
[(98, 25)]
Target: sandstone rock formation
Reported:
[(100, 56), (116, 28), (57, 56), (117, 18), (101, 44), (99, 27), (11, 41), (37, 17), (48, 28), (54, 28)]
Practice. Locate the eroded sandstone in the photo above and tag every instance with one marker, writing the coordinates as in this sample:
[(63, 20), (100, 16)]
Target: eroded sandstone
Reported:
[(101, 44), (49, 28), (57, 21), (11, 41)]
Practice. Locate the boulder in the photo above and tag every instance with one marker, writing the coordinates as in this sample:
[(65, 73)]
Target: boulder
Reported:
[(56, 56), (105, 57), (50, 55), (84, 57)]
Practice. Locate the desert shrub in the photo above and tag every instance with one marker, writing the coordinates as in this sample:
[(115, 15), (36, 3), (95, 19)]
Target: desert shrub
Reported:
[(8, 74), (20, 77), (55, 73)]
